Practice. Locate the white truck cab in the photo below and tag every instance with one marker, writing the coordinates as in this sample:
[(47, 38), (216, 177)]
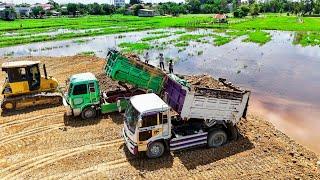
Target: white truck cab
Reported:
[(147, 123)]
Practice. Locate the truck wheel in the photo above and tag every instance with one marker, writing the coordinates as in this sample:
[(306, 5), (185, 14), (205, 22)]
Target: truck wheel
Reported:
[(155, 150), (88, 113), (217, 138)]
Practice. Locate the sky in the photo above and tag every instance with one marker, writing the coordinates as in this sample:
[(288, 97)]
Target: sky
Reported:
[(80, 1)]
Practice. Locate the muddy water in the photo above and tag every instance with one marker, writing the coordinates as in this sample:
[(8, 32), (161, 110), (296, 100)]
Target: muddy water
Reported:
[(284, 78)]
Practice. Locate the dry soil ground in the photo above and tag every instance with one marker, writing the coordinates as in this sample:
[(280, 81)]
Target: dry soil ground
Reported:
[(43, 143)]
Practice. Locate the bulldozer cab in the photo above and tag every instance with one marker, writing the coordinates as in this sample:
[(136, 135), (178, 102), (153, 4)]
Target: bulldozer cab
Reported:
[(21, 71)]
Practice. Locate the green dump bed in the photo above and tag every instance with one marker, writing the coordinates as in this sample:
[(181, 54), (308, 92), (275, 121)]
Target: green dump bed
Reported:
[(134, 72)]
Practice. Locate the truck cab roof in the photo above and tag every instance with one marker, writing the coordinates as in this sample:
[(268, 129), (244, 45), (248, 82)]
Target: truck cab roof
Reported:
[(83, 77), (146, 103)]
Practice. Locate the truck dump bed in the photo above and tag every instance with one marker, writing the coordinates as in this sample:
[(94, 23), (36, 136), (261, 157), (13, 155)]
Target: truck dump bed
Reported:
[(130, 70), (222, 103)]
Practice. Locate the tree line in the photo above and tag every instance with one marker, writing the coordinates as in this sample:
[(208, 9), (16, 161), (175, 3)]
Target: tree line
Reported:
[(302, 7)]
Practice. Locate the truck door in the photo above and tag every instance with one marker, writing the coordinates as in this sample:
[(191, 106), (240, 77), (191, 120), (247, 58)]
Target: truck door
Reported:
[(92, 92), (165, 124), (149, 127), (80, 95)]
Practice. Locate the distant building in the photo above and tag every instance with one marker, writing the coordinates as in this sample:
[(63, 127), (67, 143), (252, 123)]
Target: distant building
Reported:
[(23, 11), (45, 7), (145, 13), (119, 3)]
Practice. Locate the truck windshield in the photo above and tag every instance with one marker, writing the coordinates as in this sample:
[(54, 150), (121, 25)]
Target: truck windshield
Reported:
[(69, 88), (131, 118)]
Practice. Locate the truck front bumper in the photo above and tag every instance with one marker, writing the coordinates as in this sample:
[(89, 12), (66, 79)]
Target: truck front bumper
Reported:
[(72, 112), (130, 145)]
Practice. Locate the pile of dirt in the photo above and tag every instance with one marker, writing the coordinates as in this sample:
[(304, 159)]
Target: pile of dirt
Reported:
[(132, 56), (207, 81), (106, 83)]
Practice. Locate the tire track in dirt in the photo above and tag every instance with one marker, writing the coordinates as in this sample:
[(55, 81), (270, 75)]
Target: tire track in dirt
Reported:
[(229, 167), (31, 119), (91, 171), (31, 114), (23, 167), (24, 134)]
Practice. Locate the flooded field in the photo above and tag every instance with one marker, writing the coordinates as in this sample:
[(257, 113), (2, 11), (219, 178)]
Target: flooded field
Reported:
[(284, 78)]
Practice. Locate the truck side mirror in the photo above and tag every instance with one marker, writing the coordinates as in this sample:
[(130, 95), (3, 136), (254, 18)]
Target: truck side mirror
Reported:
[(119, 105), (139, 124)]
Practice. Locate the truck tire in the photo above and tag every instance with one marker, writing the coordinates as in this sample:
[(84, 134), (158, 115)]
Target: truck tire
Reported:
[(155, 150), (88, 113), (217, 138)]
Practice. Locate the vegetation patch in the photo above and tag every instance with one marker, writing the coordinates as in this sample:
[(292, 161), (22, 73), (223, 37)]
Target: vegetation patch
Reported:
[(236, 33), (87, 53), (134, 47), (150, 38), (179, 32), (306, 39), (80, 41), (158, 32), (191, 37), (221, 40), (182, 44), (259, 37)]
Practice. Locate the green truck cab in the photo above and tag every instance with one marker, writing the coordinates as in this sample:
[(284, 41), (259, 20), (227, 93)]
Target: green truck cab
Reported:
[(83, 96), (85, 99)]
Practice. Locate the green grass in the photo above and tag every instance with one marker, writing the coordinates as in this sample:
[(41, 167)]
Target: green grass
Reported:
[(236, 33), (179, 32), (29, 29), (87, 53), (182, 44), (221, 40), (259, 37), (158, 32), (307, 39), (151, 38), (134, 47), (191, 37), (275, 22)]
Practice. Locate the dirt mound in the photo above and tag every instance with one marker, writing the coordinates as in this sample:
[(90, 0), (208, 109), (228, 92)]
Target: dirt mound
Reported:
[(208, 81), (45, 144), (132, 56)]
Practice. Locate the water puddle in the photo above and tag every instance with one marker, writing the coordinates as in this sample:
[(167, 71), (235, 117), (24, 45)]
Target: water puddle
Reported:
[(284, 77)]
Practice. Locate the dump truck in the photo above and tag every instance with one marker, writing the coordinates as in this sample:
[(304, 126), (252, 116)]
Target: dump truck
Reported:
[(25, 87), (183, 118), (84, 97)]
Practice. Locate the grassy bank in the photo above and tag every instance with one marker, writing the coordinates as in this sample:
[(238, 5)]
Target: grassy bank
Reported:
[(24, 31)]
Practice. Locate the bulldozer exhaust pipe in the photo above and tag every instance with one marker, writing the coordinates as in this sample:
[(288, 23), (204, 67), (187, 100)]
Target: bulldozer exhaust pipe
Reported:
[(45, 71)]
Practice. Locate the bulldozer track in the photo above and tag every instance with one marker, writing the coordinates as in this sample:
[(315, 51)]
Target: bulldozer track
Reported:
[(29, 165), (27, 133), (31, 119)]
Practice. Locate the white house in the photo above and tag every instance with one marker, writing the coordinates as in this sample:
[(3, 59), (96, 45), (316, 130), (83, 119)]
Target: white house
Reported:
[(119, 3)]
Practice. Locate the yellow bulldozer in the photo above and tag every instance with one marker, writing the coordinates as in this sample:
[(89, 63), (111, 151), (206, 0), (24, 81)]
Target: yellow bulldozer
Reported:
[(25, 87)]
